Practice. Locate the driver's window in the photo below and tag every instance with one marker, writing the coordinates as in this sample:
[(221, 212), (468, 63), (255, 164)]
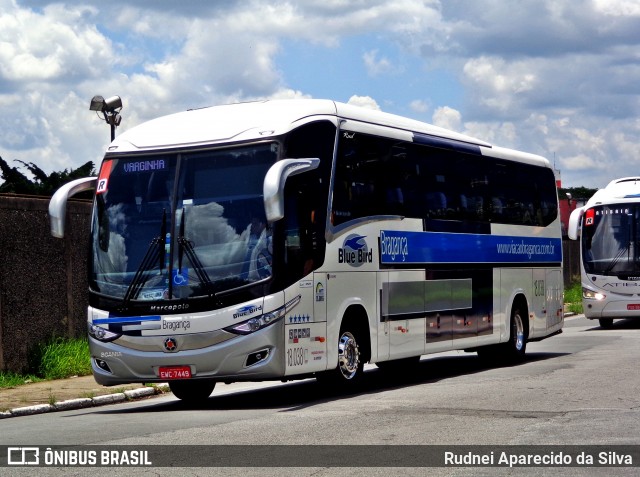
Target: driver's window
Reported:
[(306, 197)]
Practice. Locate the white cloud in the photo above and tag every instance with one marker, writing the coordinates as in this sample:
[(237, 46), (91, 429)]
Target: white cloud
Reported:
[(503, 134), (364, 102), (448, 118), (617, 7), (579, 163), (498, 85), (58, 45), (419, 106), (376, 66)]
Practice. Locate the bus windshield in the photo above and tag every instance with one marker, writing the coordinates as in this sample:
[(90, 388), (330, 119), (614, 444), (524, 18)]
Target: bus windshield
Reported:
[(610, 240), (181, 225)]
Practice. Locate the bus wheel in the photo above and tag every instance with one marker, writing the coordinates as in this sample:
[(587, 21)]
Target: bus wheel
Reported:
[(192, 391), (517, 344), (606, 322), (350, 363)]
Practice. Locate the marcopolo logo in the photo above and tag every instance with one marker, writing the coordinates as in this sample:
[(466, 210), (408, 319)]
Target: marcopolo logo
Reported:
[(355, 251)]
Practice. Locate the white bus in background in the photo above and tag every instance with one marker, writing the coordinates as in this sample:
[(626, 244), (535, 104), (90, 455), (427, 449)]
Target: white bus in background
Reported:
[(608, 227), (286, 239)]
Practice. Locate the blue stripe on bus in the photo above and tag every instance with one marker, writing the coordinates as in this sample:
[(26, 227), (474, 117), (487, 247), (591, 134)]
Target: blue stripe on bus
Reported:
[(125, 319), (446, 143), (397, 248)]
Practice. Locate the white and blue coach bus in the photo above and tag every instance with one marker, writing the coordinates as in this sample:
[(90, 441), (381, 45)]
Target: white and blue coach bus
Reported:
[(608, 227), (283, 239)]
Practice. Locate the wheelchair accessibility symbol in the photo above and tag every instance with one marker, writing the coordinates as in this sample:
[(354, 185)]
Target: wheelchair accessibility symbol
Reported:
[(180, 277)]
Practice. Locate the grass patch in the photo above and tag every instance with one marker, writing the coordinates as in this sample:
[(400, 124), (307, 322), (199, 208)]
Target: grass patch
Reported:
[(11, 380), (57, 359), (573, 297), (63, 358)]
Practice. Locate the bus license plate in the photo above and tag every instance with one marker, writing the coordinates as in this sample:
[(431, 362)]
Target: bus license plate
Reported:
[(175, 372), (633, 307)]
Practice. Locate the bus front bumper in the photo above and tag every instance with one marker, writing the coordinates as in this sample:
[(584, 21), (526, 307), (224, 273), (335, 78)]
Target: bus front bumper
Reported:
[(595, 310), (256, 356)]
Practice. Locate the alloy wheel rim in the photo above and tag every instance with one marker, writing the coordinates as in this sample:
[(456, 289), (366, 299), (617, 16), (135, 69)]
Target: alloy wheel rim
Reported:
[(519, 332), (348, 355)]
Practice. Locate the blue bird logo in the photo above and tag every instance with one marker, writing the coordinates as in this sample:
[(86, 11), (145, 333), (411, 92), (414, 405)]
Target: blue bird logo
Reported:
[(355, 242)]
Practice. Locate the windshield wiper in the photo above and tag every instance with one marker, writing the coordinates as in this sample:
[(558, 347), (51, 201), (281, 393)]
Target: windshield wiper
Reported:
[(155, 252), (186, 247), (617, 258)]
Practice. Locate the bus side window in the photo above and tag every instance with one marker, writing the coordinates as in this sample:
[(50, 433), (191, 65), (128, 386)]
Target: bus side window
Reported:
[(367, 180), (436, 204)]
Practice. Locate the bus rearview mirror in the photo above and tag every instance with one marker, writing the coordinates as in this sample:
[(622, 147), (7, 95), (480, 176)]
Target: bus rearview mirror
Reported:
[(574, 223), (58, 203), (275, 179)]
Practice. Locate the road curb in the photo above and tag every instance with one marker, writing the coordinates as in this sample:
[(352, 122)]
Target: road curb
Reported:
[(80, 403)]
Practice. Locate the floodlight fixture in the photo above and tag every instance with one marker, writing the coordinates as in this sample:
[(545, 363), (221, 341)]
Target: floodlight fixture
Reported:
[(113, 103), (97, 103), (110, 109)]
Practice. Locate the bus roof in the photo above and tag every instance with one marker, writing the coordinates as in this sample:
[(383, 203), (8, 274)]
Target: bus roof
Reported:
[(259, 120), (625, 189), (270, 118)]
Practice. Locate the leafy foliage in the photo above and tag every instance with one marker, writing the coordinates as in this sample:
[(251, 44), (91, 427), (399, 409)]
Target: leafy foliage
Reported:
[(576, 192), (15, 182), (63, 357), (573, 297)]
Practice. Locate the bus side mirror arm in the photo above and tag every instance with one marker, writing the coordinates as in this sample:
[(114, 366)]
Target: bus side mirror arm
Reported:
[(574, 223), (58, 203), (275, 179)]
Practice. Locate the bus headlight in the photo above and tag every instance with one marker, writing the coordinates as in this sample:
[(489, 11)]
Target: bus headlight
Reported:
[(592, 295), (102, 334), (254, 324), (259, 322)]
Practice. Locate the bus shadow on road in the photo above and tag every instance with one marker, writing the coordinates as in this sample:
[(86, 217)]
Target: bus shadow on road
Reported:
[(622, 324), (295, 395)]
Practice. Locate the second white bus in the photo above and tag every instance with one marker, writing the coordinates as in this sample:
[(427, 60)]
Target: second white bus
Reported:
[(283, 239), (608, 227)]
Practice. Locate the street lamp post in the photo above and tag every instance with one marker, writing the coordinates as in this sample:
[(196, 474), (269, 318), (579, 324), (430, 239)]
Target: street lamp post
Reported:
[(110, 109)]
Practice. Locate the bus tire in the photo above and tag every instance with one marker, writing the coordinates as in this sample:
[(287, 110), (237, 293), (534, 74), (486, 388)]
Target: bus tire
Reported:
[(192, 391), (517, 345), (605, 322), (350, 367)]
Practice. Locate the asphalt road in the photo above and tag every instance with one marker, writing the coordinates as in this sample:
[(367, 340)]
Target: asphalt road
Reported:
[(579, 388)]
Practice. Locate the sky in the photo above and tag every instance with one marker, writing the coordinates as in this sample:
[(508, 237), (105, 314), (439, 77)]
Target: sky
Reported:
[(559, 78)]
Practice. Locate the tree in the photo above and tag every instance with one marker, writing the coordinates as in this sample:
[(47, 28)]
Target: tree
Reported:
[(576, 192), (16, 182)]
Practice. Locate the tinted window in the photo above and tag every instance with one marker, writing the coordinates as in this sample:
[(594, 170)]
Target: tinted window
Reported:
[(306, 199), (380, 176)]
